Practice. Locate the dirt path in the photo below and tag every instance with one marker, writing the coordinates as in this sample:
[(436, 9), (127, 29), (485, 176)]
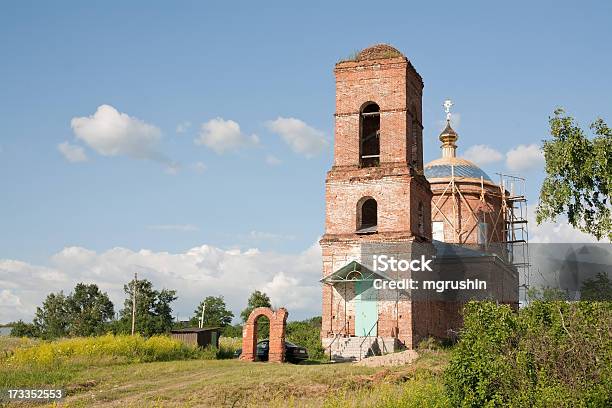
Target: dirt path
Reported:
[(149, 391), (197, 384), (227, 383)]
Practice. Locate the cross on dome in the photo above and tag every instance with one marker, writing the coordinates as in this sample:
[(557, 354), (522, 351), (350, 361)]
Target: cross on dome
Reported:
[(448, 104)]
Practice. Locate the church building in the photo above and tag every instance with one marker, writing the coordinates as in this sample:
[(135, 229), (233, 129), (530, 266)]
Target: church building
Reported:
[(379, 201)]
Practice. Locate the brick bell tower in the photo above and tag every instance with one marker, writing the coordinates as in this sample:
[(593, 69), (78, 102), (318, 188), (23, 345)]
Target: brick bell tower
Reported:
[(376, 193)]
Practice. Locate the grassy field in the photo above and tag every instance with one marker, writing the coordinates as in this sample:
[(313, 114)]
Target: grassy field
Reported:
[(108, 382)]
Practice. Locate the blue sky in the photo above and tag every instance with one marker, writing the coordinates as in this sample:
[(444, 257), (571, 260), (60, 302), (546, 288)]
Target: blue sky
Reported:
[(168, 63)]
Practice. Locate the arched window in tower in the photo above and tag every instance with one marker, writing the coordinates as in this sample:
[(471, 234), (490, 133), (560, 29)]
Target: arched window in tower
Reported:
[(369, 135), (367, 215)]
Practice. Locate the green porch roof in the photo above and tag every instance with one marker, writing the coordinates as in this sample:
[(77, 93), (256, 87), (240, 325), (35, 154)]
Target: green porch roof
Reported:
[(352, 272)]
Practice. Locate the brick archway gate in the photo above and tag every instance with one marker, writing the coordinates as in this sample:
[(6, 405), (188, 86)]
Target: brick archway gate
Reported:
[(278, 322)]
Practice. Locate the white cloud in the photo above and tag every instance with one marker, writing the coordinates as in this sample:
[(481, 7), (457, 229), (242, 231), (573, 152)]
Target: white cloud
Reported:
[(482, 154), (273, 160), (11, 307), (559, 231), (172, 168), (223, 135), (524, 157), (261, 235), (300, 137), (24, 288), (295, 294), (7, 299), (199, 167), (183, 127), (174, 227), (72, 153), (291, 279), (112, 133)]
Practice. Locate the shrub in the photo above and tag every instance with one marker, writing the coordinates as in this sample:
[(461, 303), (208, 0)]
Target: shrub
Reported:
[(230, 343), (549, 354), (307, 334), (421, 391), (209, 353), (478, 369), (228, 346), (22, 329), (232, 331), (430, 343)]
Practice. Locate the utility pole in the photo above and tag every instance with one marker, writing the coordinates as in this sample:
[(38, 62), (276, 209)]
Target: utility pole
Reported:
[(201, 322), (134, 302)]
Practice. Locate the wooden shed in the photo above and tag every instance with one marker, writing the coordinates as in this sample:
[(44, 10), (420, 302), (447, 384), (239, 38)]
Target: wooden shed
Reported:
[(198, 337)]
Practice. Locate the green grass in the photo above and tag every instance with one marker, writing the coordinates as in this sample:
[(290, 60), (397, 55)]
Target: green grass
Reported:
[(240, 384), (27, 363), (115, 380)]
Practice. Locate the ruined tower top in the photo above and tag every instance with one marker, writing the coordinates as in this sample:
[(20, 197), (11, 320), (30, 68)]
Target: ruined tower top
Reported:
[(378, 51), (378, 111)]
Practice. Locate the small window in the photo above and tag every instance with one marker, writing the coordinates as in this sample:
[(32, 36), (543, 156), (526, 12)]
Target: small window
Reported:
[(438, 230), (369, 136), (367, 216)]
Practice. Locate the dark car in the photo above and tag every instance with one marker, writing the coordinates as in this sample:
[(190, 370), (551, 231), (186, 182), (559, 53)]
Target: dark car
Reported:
[(293, 353)]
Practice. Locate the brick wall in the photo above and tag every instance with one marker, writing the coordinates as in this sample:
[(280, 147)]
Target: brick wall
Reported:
[(465, 212), (278, 323), (396, 87)]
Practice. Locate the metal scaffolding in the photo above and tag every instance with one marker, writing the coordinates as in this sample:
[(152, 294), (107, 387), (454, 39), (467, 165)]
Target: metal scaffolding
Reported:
[(516, 232), (508, 223)]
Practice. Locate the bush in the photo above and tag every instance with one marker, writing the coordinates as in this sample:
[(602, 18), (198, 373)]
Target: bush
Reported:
[(230, 343), (228, 346), (421, 391), (23, 329), (307, 334), (430, 343), (549, 354), (232, 331), (209, 353)]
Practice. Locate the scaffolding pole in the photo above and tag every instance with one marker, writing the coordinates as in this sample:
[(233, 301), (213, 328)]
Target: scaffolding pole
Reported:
[(516, 231)]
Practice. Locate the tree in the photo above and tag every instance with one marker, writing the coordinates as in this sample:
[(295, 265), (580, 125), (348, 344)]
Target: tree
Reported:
[(51, 320), (258, 299), (307, 333), (578, 179), (153, 310), (232, 331), (23, 329), (546, 294), (215, 312), (89, 311), (597, 289), (84, 312)]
